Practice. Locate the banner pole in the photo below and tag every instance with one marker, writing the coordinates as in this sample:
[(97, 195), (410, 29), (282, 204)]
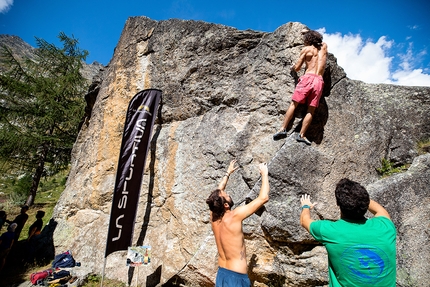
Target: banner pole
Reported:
[(137, 275), (103, 273)]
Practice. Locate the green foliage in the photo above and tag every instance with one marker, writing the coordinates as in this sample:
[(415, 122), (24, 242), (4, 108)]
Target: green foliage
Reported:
[(20, 188), (41, 105), (94, 280), (387, 168)]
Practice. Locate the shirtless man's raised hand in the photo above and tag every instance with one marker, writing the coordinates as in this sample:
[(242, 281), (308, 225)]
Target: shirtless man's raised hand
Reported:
[(227, 228)]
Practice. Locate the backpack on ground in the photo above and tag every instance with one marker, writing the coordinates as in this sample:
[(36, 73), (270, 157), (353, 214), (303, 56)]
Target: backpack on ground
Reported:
[(59, 277), (64, 260), (39, 276)]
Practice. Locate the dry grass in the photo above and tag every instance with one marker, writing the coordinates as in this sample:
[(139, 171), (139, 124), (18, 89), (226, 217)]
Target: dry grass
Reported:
[(423, 146)]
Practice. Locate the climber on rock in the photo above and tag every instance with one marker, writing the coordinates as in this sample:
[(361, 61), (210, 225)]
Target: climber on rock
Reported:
[(227, 228), (310, 86)]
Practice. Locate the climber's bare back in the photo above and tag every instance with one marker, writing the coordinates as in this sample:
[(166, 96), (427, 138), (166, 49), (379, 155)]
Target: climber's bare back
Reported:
[(315, 59)]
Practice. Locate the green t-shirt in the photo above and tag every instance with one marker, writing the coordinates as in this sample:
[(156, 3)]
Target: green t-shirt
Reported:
[(359, 253)]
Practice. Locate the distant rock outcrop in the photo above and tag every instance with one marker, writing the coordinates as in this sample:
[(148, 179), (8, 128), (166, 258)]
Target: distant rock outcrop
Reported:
[(24, 50), (225, 92), (16, 44)]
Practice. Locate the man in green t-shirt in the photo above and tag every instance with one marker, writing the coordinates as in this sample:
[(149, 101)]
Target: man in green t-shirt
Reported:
[(361, 252)]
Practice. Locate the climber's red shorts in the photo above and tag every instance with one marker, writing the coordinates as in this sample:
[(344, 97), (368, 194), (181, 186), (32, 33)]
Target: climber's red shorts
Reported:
[(309, 89)]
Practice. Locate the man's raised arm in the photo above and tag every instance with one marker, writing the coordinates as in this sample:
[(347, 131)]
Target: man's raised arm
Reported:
[(377, 209), (305, 215), (230, 170), (244, 211)]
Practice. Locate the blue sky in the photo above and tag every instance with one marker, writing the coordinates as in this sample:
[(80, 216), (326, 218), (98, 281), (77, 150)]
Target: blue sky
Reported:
[(386, 41)]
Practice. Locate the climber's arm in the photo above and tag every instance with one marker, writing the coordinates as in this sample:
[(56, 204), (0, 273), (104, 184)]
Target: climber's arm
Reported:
[(305, 216)]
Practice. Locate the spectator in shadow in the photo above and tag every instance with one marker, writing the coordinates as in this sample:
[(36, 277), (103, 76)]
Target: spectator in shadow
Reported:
[(6, 242), (20, 221), (2, 218), (33, 234), (36, 227)]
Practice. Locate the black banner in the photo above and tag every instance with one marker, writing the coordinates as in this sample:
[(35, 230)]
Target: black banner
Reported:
[(141, 114)]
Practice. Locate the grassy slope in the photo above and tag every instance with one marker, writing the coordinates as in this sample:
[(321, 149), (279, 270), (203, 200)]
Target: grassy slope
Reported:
[(48, 194)]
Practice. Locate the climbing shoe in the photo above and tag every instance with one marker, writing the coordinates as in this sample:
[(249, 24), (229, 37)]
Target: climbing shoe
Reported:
[(280, 135), (299, 138)]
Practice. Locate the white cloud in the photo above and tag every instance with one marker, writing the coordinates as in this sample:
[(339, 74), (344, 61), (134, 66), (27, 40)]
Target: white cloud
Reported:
[(414, 77), (5, 5), (370, 61)]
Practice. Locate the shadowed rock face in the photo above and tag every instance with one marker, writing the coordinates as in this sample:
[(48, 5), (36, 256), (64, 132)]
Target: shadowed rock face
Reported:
[(225, 93)]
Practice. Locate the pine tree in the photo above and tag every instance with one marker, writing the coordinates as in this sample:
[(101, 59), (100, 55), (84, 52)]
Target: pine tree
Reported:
[(41, 105)]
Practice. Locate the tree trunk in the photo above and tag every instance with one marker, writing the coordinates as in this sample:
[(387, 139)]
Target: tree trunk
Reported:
[(37, 176)]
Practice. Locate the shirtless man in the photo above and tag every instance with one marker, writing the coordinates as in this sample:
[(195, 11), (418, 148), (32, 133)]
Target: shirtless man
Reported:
[(227, 228), (310, 85)]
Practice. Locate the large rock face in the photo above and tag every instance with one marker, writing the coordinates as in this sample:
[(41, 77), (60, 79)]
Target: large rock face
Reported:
[(225, 93)]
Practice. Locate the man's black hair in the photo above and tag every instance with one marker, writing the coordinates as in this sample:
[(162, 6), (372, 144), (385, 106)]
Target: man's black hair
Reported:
[(313, 38), (216, 204), (352, 199)]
